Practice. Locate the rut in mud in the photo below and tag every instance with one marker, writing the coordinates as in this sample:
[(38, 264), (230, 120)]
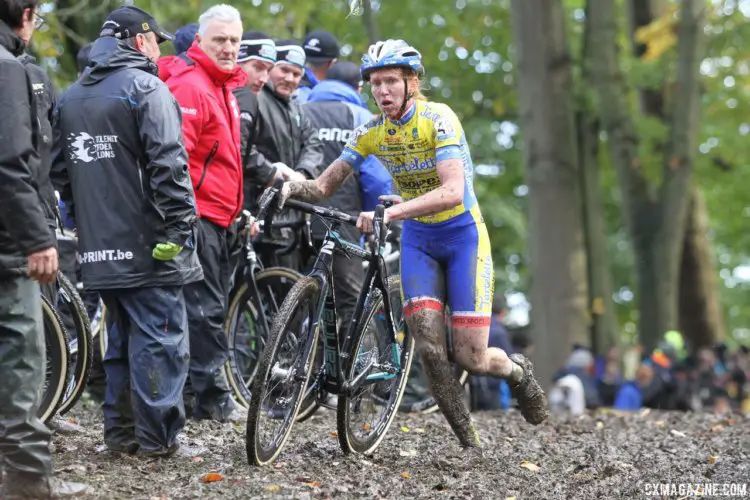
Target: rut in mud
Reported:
[(595, 456)]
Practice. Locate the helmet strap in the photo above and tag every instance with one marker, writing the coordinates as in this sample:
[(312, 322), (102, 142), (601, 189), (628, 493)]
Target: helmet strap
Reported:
[(407, 97)]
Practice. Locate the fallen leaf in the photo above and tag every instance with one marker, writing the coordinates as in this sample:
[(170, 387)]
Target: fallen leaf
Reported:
[(528, 465), (419, 430), (273, 488), (677, 433), (660, 424), (405, 475), (717, 428), (405, 429), (197, 459), (313, 484), (212, 477), (509, 439), (510, 498), (334, 434), (279, 465), (600, 425), (712, 460), (366, 427), (408, 453)]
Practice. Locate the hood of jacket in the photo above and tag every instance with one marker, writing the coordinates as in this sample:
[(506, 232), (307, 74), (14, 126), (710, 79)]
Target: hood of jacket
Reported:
[(27, 58), (169, 65), (10, 40), (334, 90), (109, 55)]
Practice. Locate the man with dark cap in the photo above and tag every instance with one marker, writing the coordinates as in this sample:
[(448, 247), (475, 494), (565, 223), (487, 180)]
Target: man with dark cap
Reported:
[(285, 133), (321, 52), (122, 170), (257, 57), (28, 257)]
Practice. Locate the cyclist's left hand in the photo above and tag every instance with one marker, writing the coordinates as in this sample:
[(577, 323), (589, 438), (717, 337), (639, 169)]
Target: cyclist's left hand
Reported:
[(365, 221)]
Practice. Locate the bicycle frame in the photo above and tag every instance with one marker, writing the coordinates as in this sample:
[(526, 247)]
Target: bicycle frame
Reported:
[(336, 355)]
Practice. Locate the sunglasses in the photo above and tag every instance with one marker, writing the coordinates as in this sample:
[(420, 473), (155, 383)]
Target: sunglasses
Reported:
[(38, 21)]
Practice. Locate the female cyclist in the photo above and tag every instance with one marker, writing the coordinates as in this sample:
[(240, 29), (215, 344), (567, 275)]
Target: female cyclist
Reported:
[(445, 249)]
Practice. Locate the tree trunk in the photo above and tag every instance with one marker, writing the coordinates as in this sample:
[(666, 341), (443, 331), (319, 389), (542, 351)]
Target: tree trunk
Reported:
[(701, 318), (371, 25), (603, 327), (656, 223), (556, 243)]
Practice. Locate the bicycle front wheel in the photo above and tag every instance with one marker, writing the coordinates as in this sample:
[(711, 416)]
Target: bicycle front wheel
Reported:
[(246, 334), (56, 362), (363, 418), (283, 372)]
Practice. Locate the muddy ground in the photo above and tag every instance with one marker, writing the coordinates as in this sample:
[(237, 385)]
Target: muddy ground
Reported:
[(601, 455)]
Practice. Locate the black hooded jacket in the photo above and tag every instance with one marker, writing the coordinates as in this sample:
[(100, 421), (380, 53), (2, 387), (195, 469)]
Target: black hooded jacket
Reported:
[(46, 100), (121, 167), (23, 228)]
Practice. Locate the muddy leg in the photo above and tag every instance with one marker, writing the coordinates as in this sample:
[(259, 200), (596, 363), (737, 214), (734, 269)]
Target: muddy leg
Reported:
[(472, 354), (428, 328)]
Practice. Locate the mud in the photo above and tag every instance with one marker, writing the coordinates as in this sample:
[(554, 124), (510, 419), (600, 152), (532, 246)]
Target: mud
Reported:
[(595, 456)]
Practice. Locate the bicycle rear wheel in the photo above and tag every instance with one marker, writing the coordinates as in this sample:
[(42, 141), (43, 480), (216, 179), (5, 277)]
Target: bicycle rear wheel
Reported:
[(80, 342), (387, 363), (56, 362), (245, 333), (283, 372)]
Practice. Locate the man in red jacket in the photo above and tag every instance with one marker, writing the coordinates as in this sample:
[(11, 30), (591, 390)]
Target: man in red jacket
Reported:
[(211, 130)]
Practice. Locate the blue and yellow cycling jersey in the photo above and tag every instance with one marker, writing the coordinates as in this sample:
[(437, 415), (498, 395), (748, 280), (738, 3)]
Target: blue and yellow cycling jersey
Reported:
[(410, 149), (445, 257)]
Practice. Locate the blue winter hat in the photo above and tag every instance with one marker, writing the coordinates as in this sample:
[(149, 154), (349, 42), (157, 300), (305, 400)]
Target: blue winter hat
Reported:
[(183, 37)]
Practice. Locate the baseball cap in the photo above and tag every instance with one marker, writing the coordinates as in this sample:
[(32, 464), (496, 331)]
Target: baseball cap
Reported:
[(128, 21), (184, 36), (320, 46), (347, 72), (290, 51), (256, 45)]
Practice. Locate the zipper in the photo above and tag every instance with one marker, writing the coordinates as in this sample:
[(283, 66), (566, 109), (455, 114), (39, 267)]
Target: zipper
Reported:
[(210, 157), (140, 178)]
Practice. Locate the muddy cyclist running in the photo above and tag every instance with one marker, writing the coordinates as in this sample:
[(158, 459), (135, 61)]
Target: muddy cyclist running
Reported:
[(445, 248)]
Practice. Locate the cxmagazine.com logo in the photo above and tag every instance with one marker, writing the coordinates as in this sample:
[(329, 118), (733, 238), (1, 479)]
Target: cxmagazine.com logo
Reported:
[(690, 490)]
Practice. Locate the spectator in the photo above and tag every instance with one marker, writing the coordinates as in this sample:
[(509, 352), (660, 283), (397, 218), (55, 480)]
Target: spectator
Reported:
[(485, 391), (121, 168), (27, 254), (321, 52), (183, 39), (82, 58), (580, 365), (608, 376), (257, 57), (211, 131), (285, 133), (45, 100), (334, 109)]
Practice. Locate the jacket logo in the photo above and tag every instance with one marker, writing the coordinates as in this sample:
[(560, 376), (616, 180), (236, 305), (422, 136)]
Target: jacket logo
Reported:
[(85, 148), (334, 134), (189, 111)]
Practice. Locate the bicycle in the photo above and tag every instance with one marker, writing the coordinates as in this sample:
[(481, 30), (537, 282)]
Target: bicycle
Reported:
[(351, 365), (249, 316)]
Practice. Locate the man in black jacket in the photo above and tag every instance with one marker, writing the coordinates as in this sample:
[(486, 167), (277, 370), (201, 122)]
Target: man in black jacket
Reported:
[(257, 57), (285, 136), (121, 168), (27, 254)]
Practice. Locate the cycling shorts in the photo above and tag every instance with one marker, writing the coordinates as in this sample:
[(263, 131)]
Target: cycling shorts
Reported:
[(448, 262)]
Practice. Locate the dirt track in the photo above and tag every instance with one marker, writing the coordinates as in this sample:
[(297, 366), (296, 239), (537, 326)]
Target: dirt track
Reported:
[(595, 456)]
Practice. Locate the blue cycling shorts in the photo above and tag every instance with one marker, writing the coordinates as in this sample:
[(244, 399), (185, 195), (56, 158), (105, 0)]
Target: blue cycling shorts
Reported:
[(448, 262)]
